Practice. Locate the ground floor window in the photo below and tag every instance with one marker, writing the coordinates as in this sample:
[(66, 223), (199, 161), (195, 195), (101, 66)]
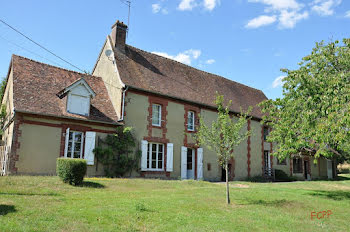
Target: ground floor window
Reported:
[(155, 156), (297, 165), (75, 144)]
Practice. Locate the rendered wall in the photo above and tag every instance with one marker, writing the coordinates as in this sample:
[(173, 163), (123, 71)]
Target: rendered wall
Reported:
[(136, 110), (106, 69), (40, 146)]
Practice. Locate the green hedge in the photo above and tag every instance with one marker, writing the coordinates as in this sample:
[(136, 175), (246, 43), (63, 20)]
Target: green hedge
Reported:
[(71, 171)]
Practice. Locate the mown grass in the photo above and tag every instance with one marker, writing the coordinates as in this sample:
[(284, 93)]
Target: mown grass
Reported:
[(46, 204)]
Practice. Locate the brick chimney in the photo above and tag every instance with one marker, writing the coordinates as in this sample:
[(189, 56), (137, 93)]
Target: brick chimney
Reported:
[(118, 35)]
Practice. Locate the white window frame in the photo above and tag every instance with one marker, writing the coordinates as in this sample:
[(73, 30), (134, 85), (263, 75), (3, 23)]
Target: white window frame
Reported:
[(159, 115), (149, 157), (189, 126), (71, 153)]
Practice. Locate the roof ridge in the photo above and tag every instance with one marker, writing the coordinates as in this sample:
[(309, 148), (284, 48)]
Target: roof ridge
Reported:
[(53, 66), (216, 75)]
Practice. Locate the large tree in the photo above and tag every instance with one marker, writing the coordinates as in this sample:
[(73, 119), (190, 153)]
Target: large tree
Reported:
[(314, 114), (223, 136)]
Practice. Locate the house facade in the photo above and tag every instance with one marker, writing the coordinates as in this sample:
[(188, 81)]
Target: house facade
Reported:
[(53, 112), (162, 100)]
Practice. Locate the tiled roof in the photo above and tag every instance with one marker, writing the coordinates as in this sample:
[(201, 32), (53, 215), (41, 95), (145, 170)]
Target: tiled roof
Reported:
[(151, 72), (36, 87)]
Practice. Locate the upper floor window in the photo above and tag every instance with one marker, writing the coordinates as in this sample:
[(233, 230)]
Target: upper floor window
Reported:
[(266, 132), (190, 120), (78, 99), (156, 115), (78, 104)]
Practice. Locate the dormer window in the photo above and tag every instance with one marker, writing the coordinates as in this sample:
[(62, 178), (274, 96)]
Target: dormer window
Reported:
[(78, 104), (79, 95)]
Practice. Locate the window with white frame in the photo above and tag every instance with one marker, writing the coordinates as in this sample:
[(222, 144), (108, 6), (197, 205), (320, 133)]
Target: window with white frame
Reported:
[(75, 144), (156, 115), (190, 121), (155, 156)]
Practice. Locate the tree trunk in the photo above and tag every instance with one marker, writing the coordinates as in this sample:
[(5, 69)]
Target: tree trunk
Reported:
[(227, 185)]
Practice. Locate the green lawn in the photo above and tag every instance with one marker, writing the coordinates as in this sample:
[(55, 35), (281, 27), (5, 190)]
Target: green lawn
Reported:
[(46, 204)]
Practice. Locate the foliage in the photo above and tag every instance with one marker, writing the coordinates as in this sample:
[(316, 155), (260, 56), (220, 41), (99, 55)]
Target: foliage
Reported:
[(223, 135), (314, 113), (115, 153), (71, 171), (2, 107), (280, 175)]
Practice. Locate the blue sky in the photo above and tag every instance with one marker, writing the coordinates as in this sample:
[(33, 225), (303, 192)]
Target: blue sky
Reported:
[(244, 40)]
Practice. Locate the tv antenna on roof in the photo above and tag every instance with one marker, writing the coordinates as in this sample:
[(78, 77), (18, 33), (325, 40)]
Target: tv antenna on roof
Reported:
[(128, 3)]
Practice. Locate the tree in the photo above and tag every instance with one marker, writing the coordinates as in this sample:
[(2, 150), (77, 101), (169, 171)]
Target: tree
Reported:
[(223, 136), (2, 107), (314, 114), (115, 153)]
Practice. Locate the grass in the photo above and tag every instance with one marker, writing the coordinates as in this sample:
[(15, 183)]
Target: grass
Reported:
[(102, 204)]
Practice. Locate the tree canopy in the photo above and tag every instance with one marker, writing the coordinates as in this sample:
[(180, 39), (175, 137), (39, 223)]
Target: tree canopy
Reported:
[(313, 115)]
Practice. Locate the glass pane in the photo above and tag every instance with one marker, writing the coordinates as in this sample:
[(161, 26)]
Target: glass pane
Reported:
[(154, 163), (160, 147), (160, 164), (76, 155), (156, 114), (70, 136), (77, 147), (189, 159), (77, 137)]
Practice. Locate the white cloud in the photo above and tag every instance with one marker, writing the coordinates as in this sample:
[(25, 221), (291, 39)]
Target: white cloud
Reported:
[(210, 4), (325, 7), (185, 57), (187, 5), (156, 8), (262, 20), (286, 12), (276, 5), (288, 19), (210, 61), (278, 82), (347, 14)]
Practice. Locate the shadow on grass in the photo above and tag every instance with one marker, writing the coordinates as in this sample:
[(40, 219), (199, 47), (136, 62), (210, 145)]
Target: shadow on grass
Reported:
[(90, 184), (5, 209), (274, 203), (29, 194), (334, 195)]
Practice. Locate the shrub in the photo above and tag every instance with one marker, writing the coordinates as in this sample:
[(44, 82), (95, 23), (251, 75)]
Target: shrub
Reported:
[(71, 171), (257, 178), (281, 175)]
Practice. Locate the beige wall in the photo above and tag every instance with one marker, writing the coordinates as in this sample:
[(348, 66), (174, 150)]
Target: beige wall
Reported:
[(40, 147), (106, 69), (136, 116)]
